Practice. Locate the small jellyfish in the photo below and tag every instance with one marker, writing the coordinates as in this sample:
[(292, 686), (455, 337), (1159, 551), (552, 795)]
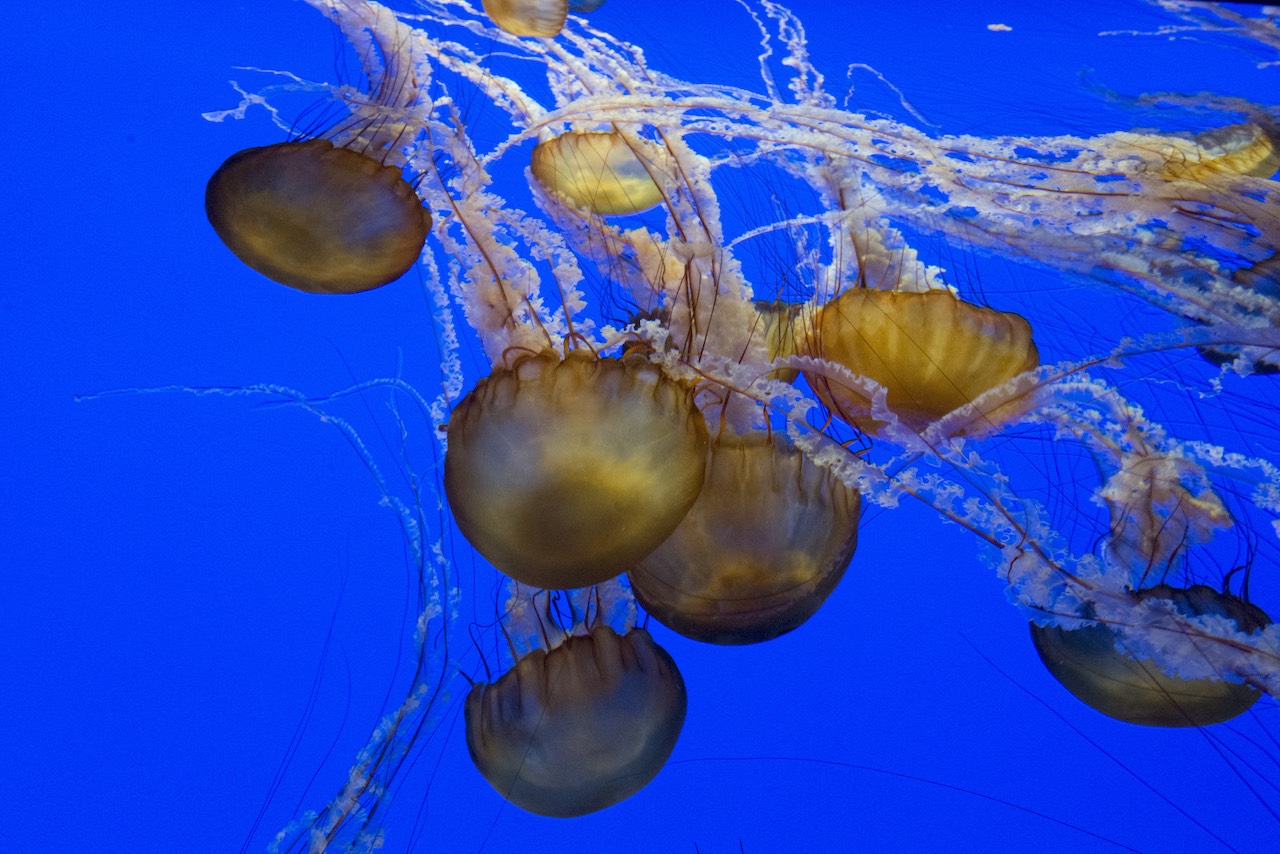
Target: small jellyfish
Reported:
[(1089, 664), (601, 172), (932, 351), (578, 728), (543, 18), (564, 473), (768, 539), (317, 217), (333, 213)]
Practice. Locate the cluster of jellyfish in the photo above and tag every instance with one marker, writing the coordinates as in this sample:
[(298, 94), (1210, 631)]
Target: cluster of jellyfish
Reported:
[(657, 432)]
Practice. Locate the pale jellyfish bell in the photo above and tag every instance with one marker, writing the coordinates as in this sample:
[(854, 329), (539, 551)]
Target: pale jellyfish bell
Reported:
[(603, 172), (931, 350)]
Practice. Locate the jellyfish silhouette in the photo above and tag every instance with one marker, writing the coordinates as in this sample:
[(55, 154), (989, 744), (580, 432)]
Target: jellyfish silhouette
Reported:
[(649, 399), (543, 18)]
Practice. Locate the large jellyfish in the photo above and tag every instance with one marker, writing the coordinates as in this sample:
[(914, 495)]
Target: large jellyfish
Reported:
[(592, 241)]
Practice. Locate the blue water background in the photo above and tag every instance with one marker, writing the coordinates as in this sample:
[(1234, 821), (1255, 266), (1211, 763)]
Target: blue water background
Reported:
[(192, 583)]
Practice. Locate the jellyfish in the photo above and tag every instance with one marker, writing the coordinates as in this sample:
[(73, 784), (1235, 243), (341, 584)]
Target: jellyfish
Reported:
[(1089, 664), (582, 725), (601, 172), (330, 212), (931, 351), (762, 547), (542, 18), (564, 472), (605, 342)]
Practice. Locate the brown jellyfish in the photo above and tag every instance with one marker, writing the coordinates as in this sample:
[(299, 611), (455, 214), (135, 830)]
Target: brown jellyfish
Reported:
[(317, 217), (932, 351), (1240, 149), (334, 213), (578, 728), (601, 172), (760, 550), (564, 473), (543, 18), (1088, 664)]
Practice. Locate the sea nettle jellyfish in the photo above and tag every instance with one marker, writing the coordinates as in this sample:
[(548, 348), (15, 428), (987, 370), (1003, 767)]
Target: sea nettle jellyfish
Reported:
[(647, 376), (580, 722), (331, 212)]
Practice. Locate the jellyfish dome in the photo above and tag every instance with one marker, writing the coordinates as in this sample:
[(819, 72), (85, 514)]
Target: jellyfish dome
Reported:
[(564, 472), (1089, 664), (316, 217), (757, 554), (331, 212), (580, 727)]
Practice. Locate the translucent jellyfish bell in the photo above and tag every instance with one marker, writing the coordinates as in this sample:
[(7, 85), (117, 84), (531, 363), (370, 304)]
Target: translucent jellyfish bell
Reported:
[(1242, 149), (1089, 665), (931, 350), (543, 18), (601, 172), (564, 473), (317, 217), (768, 539), (581, 727)]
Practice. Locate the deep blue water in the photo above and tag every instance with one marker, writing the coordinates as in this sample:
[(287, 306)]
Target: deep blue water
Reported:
[(205, 604)]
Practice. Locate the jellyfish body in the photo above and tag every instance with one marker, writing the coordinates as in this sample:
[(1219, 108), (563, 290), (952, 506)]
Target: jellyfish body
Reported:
[(601, 172), (1241, 149), (564, 473), (317, 217), (932, 351), (581, 727), (1088, 664), (768, 539), (544, 18)]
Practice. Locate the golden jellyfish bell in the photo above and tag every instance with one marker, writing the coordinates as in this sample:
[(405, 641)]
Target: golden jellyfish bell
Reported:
[(544, 18), (1241, 149), (932, 351), (1088, 664), (317, 217), (564, 473), (579, 728), (602, 172), (768, 539)]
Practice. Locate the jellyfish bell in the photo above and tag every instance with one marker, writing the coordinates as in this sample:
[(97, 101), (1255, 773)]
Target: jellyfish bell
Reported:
[(579, 727), (932, 351), (1251, 149), (1091, 665), (603, 172), (317, 217), (332, 211), (768, 539), (544, 18), (562, 473)]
